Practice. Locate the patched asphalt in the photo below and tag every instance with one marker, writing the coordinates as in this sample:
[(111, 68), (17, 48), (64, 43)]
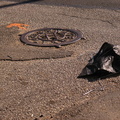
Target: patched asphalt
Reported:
[(13, 49)]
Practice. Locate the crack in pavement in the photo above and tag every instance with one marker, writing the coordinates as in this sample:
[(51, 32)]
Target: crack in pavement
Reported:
[(118, 11), (106, 21), (33, 58)]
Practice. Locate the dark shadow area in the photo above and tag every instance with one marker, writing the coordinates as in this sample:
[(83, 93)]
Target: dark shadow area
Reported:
[(87, 4), (19, 3), (99, 76)]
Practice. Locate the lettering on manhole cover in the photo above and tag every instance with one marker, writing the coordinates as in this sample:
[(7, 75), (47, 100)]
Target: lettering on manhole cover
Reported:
[(50, 37)]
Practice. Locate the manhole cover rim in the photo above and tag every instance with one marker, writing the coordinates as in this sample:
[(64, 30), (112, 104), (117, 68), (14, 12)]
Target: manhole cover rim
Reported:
[(78, 34)]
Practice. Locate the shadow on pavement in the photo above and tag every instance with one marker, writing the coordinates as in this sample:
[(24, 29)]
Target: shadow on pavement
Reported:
[(19, 3), (90, 4)]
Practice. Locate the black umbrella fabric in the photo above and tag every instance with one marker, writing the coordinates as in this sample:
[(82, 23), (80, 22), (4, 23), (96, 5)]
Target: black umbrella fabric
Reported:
[(105, 63)]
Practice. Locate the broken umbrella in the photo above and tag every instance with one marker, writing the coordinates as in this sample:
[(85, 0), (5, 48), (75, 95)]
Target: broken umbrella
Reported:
[(105, 63)]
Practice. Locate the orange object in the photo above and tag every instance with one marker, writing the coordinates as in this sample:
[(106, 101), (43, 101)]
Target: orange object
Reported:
[(19, 25)]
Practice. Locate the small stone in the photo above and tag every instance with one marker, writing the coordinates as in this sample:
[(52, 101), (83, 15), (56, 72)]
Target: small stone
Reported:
[(36, 119), (41, 115)]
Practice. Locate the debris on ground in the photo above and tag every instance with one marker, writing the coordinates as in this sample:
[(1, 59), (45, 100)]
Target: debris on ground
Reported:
[(104, 64)]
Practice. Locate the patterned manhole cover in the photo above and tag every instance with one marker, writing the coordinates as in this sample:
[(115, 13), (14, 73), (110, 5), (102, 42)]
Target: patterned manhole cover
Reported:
[(49, 37)]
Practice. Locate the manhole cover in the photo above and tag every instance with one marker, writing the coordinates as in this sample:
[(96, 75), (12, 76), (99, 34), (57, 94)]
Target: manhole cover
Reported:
[(49, 37)]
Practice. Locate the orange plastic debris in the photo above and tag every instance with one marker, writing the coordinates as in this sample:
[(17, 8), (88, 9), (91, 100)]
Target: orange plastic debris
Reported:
[(19, 25)]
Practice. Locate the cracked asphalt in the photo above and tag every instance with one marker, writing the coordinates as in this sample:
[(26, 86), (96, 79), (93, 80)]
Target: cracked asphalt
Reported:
[(40, 83)]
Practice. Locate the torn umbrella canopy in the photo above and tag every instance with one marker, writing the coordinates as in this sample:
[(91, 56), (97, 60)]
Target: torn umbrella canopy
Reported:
[(105, 63)]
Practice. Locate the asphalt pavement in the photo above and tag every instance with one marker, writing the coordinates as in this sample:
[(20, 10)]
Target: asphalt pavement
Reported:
[(76, 3), (40, 83)]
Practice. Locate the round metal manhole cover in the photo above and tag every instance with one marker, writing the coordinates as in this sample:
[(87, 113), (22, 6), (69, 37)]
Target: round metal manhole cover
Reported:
[(50, 37)]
